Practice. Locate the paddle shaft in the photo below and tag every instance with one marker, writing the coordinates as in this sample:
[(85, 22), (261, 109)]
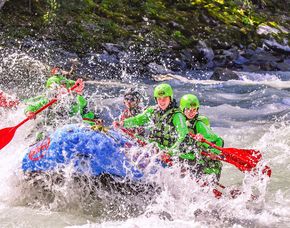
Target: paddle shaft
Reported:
[(45, 106), (216, 192), (234, 159), (213, 156), (7, 134), (129, 133), (255, 155), (243, 159), (38, 111), (207, 142)]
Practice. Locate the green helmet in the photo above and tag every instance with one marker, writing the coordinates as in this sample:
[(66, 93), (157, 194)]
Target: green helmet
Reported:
[(59, 80), (189, 101), (163, 90)]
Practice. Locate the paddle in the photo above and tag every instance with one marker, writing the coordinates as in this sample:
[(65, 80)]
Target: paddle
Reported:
[(129, 133), (235, 158), (243, 159), (168, 161), (7, 134)]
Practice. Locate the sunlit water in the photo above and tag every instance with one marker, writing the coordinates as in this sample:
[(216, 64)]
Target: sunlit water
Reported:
[(251, 113)]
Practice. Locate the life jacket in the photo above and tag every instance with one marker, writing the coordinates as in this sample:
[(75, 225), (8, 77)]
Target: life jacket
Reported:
[(191, 124), (207, 165), (163, 131), (79, 106), (189, 144)]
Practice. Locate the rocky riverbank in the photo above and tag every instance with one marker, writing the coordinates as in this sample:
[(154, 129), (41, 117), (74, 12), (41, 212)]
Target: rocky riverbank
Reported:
[(138, 39)]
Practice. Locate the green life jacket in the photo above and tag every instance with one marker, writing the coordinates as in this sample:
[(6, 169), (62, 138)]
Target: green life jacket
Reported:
[(188, 146), (79, 106), (163, 132), (209, 166), (192, 124)]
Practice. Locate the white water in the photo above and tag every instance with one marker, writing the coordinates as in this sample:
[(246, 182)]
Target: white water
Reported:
[(252, 113)]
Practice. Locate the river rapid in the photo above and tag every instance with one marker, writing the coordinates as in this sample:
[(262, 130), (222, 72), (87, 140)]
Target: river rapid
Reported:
[(250, 113)]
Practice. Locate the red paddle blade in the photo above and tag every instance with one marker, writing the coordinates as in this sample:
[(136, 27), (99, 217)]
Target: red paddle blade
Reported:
[(240, 164), (250, 157), (6, 135), (250, 154), (244, 160)]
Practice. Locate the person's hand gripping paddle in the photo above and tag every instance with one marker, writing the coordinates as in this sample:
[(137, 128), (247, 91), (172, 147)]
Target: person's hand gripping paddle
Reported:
[(7, 134)]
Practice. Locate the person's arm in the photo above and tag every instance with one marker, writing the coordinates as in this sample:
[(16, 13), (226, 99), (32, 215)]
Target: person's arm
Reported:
[(35, 103), (69, 83), (209, 135), (179, 122), (140, 119), (79, 105)]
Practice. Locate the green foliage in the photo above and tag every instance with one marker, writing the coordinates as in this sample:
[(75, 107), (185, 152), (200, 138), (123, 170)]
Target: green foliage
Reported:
[(247, 21), (87, 23), (113, 28), (273, 24), (236, 13), (177, 34), (154, 8), (111, 5), (181, 39), (90, 3), (220, 1), (50, 14)]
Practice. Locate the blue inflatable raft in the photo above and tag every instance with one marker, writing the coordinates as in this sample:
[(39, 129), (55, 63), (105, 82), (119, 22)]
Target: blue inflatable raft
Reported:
[(90, 152)]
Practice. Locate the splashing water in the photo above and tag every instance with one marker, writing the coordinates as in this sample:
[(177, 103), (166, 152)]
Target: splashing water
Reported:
[(21, 74), (252, 113)]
